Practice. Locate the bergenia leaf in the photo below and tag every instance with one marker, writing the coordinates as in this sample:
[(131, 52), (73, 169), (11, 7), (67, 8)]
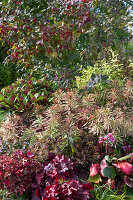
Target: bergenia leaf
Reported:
[(107, 158), (109, 172), (95, 179), (129, 181), (103, 164), (125, 167), (94, 169)]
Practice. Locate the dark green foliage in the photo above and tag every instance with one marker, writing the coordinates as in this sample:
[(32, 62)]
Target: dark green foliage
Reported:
[(23, 94), (8, 74)]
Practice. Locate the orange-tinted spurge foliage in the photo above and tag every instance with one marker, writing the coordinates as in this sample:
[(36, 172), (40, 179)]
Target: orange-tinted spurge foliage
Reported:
[(88, 118)]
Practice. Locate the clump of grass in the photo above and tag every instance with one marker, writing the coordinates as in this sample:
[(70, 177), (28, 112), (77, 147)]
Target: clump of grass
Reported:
[(106, 193)]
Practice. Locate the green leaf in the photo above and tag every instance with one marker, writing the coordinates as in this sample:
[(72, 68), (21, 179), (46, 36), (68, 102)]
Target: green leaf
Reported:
[(25, 100), (95, 179), (109, 172), (3, 103), (16, 106), (7, 106), (36, 95), (51, 99), (107, 158), (31, 96), (41, 98), (1, 97), (125, 157)]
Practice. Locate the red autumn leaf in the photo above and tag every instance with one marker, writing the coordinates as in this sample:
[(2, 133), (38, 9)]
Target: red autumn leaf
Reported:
[(94, 169), (125, 167)]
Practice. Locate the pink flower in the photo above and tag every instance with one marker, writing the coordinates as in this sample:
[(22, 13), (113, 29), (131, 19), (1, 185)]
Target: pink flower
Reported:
[(109, 138), (101, 140)]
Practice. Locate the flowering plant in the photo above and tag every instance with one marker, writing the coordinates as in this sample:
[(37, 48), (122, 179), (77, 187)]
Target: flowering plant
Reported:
[(108, 138), (109, 167)]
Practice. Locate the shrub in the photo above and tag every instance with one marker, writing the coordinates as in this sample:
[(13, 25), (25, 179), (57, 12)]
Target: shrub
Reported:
[(65, 125), (73, 123), (111, 67), (17, 171), (60, 181), (23, 94), (8, 74)]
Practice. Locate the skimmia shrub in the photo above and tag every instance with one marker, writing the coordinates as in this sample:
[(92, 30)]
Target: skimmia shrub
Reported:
[(23, 94)]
